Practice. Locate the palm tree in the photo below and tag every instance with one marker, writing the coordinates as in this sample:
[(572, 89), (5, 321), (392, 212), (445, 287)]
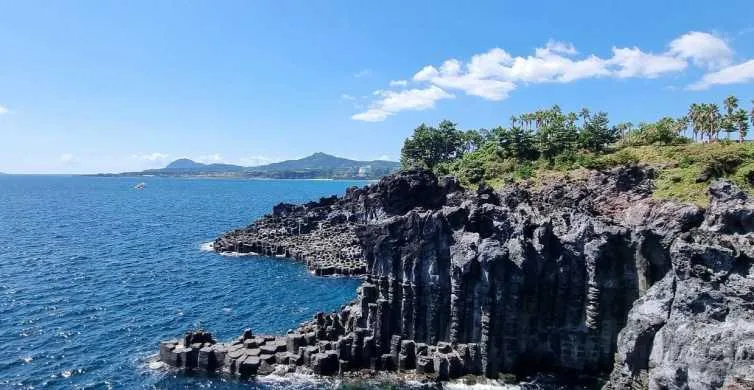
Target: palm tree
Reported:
[(714, 120), (729, 120), (539, 117), (741, 123), (513, 121), (695, 115), (680, 125), (709, 120), (731, 103), (526, 121)]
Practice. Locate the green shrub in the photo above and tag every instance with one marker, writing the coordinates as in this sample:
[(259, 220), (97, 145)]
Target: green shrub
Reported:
[(525, 170)]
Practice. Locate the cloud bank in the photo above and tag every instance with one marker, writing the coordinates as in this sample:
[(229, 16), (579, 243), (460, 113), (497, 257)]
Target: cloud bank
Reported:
[(495, 74)]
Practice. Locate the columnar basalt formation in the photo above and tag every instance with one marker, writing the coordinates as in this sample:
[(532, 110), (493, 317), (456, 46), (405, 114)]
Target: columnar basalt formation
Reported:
[(322, 234), (588, 276)]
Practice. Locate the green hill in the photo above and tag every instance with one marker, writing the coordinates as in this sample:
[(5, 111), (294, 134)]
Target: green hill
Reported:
[(325, 165), (316, 166)]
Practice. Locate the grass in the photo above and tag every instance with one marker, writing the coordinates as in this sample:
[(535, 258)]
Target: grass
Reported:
[(678, 168)]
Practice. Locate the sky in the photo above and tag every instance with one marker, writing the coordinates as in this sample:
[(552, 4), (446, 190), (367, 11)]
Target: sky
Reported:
[(111, 86)]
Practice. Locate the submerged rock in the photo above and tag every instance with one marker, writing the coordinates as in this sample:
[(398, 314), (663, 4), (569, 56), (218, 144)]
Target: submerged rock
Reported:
[(587, 276)]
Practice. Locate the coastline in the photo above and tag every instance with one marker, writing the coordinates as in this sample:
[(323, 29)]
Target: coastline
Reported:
[(453, 237)]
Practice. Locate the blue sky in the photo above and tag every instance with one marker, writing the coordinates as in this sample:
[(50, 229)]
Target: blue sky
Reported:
[(105, 86)]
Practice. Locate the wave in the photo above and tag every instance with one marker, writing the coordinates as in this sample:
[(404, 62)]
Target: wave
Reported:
[(295, 381), (238, 254), (210, 247), (481, 384)]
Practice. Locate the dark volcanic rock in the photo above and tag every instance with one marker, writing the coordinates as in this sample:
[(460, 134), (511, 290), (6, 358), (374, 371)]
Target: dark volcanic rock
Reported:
[(323, 234), (695, 328), (587, 276)]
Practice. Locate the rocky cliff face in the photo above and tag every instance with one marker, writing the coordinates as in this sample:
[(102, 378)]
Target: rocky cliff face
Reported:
[(695, 327), (579, 276)]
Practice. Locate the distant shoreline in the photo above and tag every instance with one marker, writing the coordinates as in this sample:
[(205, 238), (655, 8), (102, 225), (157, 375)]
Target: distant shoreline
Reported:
[(229, 177), (113, 176)]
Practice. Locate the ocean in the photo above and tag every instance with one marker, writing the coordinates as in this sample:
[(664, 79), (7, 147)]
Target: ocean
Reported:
[(94, 273)]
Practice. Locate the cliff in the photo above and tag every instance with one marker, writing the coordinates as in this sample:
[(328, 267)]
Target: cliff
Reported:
[(587, 276)]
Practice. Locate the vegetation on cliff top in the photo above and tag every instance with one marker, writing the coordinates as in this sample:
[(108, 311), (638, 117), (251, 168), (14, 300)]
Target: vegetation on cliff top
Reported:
[(687, 151)]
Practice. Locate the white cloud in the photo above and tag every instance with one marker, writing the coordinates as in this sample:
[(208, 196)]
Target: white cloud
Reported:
[(67, 158), (390, 102), (494, 74), (548, 66), (252, 161), (151, 156), (565, 48), (384, 157), (398, 83), (210, 158), (363, 73), (4, 110), (346, 96), (704, 49), (477, 80), (734, 74), (632, 62)]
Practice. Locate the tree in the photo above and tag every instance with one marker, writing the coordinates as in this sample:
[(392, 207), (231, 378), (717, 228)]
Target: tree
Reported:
[(728, 123), (429, 146), (697, 120), (472, 140), (596, 134), (714, 119), (751, 115), (709, 119), (554, 137), (584, 114), (741, 121), (624, 128), (680, 126)]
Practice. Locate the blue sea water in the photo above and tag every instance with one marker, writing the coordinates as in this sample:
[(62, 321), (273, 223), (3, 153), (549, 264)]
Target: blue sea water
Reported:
[(93, 274)]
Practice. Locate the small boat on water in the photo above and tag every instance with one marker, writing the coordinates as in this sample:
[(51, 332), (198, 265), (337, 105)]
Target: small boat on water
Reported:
[(140, 186)]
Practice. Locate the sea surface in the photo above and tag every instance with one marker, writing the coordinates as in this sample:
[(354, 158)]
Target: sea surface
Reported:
[(94, 273)]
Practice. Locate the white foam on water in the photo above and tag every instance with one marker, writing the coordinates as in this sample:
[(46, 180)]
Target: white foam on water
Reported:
[(482, 384), (294, 381), (238, 254), (210, 247)]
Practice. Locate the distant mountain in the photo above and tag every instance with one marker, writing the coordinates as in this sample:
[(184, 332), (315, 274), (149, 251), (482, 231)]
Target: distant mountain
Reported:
[(184, 163), (186, 166), (322, 161), (316, 166)]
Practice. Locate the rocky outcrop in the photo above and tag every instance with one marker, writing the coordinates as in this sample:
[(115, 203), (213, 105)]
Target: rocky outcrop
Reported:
[(587, 276), (322, 234), (695, 328)]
